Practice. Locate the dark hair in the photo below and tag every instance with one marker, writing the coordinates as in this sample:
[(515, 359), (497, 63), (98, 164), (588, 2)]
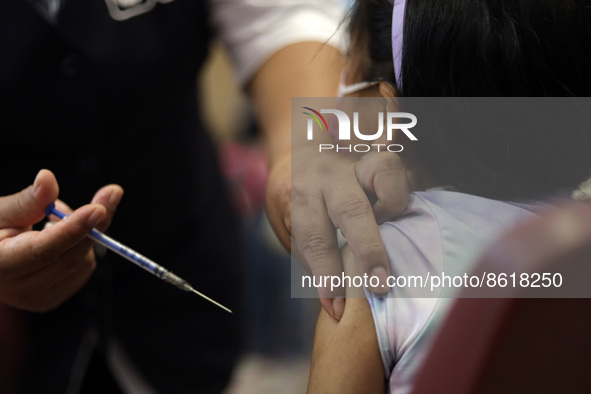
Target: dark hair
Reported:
[(488, 48), (370, 28)]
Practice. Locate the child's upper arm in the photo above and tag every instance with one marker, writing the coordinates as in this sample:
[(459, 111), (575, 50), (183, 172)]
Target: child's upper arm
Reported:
[(346, 356)]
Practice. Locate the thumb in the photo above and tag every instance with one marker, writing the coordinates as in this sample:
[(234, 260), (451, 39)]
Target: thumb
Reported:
[(28, 206)]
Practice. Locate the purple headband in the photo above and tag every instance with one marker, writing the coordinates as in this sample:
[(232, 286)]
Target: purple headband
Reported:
[(398, 8)]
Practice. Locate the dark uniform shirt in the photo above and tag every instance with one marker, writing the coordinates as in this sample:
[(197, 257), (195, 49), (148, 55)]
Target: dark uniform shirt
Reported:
[(97, 101)]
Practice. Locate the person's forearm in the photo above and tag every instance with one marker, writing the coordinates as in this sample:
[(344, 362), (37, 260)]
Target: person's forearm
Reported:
[(308, 69), (304, 188)]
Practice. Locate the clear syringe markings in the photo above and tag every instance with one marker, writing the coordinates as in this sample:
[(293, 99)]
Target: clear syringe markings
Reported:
[(136, 258)]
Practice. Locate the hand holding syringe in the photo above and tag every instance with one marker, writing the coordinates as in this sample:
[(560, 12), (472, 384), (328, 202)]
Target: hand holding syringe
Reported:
[(136, 258)]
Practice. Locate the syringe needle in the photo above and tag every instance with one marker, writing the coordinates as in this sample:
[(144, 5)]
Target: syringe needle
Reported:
[(210, 300)]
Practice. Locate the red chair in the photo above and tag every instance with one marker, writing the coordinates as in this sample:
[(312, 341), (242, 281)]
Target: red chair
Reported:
[(521, 345)]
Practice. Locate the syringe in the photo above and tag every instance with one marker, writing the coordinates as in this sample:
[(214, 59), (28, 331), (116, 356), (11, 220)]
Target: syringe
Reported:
[(136, 258)]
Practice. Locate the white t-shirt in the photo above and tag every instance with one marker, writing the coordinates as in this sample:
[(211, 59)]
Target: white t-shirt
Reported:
[(253, 30)]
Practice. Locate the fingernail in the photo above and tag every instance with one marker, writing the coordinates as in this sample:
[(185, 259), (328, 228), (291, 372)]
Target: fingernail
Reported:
[(96, 217), (327, 305), (115, 199), (382, 275), (338, 307), (36, 184)]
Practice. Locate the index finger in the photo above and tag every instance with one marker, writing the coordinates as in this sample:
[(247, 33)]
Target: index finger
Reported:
[(315, 245), (315, 241), (48, 245), (351, 211)]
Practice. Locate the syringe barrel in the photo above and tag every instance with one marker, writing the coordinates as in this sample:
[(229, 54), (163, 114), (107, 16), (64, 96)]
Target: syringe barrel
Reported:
[(140, 260), (128, 253)]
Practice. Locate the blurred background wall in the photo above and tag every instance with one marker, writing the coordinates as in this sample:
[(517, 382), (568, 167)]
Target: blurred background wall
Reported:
[(278, 330)]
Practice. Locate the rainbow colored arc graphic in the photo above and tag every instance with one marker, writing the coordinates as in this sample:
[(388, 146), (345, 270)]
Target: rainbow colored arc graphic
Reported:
[(315, 117)]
